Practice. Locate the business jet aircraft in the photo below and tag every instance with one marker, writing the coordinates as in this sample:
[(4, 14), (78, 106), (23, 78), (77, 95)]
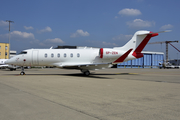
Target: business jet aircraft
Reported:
[(84, 59), (3, 65)]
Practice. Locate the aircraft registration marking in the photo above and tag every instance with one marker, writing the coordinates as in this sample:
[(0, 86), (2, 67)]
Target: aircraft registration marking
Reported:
[(113, 52)]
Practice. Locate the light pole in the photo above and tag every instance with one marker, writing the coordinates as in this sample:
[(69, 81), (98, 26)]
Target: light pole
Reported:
[(9, 34)]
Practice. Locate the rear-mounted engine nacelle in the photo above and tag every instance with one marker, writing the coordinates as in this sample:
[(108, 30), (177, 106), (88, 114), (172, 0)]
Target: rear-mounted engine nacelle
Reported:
[(109, 53)]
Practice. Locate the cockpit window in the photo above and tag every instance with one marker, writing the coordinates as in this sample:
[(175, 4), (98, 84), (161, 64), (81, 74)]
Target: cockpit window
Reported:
[(23, 52)]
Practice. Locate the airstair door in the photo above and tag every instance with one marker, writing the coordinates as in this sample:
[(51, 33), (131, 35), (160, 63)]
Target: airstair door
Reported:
[(35, 58)]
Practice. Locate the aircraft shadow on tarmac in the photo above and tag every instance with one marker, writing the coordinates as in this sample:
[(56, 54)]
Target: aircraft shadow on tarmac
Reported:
[(92, 75)]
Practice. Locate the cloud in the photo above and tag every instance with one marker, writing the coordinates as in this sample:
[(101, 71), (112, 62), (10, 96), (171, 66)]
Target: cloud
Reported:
[(101, 43), (122, 37), (55, 40), (47, 29), (138, 23), (129, 12), (28, 28), (165, 27), (51, 42), (79, 33), (20, 35), (109, 44), (3, 23)]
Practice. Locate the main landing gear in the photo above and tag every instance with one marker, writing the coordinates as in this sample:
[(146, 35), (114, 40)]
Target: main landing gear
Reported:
[(85, 72), (22, 71)]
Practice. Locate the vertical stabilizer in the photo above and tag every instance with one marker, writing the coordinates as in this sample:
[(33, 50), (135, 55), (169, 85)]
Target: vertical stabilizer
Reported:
[(138, 42)]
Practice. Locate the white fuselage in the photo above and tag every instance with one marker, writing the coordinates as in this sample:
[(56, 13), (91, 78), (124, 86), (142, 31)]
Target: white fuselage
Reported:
[(61, 57)]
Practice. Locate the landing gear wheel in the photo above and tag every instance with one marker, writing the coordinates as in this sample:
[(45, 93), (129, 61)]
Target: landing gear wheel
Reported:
[(86, 73), (22, 71)]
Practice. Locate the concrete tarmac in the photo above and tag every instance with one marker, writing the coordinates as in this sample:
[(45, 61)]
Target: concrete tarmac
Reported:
[(111, 94)]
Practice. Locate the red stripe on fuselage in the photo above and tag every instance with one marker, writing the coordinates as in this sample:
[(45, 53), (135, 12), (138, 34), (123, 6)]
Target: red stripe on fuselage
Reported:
[(123, 57)]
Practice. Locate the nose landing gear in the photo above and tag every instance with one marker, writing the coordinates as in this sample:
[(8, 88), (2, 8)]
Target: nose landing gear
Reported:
[(22, 71)]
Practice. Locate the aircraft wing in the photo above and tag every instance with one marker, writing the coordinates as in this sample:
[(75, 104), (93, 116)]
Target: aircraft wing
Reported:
[(94, 66), (3, 66), (8, 66)]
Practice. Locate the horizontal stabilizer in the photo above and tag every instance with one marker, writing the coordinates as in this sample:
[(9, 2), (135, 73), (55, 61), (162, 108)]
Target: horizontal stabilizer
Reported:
[(154, 32)]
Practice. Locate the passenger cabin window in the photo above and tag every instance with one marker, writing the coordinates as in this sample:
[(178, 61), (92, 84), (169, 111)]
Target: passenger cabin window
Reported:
[(58, 55), (23, 52), (52, 55), (78, 55), (65, 55), (71, 55), (45, 55)]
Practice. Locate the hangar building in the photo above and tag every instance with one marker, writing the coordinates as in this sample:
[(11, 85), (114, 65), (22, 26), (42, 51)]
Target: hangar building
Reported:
[(150, 60)]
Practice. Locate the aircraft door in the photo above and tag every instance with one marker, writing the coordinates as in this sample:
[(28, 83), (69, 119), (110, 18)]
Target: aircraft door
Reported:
[(35, 58)]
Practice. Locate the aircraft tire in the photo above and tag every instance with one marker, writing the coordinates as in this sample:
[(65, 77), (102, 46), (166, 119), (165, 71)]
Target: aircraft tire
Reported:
[(22, 73), (86, 73)]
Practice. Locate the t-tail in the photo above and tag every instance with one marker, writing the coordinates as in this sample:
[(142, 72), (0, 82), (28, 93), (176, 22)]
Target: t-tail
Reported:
[(137, 44)]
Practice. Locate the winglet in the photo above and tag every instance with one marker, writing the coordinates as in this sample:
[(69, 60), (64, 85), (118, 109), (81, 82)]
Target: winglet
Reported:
[(123, 57)]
